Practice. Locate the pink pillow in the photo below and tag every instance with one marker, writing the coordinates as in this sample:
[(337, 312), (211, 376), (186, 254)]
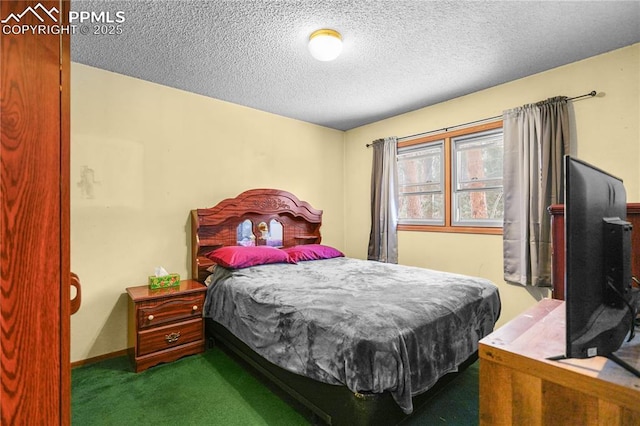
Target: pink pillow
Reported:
[(237, 257), (312, 252)]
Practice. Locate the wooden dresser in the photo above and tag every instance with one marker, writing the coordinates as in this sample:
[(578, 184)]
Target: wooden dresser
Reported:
[(165, 324), (557, 240), (519, 386)]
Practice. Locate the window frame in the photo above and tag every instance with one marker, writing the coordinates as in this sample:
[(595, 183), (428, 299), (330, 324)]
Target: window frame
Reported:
[(439, 145), (448, 226)]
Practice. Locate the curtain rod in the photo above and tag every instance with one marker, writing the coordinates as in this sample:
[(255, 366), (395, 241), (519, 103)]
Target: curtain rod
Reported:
[(590, 95)]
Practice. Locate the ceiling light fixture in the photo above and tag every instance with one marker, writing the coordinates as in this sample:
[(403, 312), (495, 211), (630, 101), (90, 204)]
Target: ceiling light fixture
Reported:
[(325, 44)]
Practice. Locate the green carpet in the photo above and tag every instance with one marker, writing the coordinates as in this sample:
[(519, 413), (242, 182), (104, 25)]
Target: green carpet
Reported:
[(215, 389)]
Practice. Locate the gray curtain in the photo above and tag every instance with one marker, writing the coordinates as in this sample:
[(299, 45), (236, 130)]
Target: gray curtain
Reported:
[(383, 239), (536, 137)]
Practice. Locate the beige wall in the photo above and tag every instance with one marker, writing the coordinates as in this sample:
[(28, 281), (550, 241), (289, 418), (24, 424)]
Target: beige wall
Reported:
[(156, 153), (607, 134)]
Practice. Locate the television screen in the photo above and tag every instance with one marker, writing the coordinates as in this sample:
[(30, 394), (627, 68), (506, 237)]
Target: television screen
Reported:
[(598, 296)]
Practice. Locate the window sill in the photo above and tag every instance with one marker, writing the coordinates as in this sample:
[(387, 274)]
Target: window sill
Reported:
[(451, 229)]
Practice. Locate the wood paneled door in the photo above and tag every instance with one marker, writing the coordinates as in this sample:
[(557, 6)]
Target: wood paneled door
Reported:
[(34, 223)]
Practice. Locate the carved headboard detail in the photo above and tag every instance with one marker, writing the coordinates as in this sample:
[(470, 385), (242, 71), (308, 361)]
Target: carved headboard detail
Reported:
[(218, 226)]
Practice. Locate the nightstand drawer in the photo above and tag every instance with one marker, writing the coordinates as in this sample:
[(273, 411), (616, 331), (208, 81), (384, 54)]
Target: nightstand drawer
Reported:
[(168, 336), (152, 314)]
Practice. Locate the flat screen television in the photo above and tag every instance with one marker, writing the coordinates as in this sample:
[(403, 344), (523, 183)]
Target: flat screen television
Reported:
[(600, 310)]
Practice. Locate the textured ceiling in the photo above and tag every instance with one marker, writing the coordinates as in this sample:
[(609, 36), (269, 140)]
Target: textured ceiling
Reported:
[(398, 56)]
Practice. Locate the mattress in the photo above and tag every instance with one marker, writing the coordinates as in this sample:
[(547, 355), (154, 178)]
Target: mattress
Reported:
[(370, 326)]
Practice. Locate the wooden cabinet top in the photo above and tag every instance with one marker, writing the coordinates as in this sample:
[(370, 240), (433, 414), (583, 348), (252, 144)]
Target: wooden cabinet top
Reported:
[(525, 343), (143, 292)]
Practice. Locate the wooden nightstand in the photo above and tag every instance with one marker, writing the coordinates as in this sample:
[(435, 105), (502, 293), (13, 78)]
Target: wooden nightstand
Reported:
[(165, 324)]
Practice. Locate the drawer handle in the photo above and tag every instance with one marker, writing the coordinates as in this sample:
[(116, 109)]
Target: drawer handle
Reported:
[(195, 307), (173, 337), (150, 317)]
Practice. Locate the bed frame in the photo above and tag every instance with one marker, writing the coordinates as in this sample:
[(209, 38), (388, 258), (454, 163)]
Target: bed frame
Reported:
[(217, 226)]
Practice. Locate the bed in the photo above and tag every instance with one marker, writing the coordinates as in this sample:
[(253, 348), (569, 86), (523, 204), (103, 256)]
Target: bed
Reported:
[(356, 342)]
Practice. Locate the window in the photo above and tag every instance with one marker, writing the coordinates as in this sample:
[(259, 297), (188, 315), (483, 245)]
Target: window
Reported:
[(452, 181), (421, 183)]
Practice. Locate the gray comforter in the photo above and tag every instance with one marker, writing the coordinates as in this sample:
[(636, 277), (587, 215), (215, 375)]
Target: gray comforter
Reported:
[(371, 326)]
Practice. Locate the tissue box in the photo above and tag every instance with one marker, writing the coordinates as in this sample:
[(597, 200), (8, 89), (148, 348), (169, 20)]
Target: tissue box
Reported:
[(170, 280)]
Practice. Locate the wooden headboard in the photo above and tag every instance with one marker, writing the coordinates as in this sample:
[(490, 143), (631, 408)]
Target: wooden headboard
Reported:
[(557, 236), (218, 226)]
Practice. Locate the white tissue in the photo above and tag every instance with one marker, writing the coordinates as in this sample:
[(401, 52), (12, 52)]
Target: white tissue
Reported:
[(161, 272)]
